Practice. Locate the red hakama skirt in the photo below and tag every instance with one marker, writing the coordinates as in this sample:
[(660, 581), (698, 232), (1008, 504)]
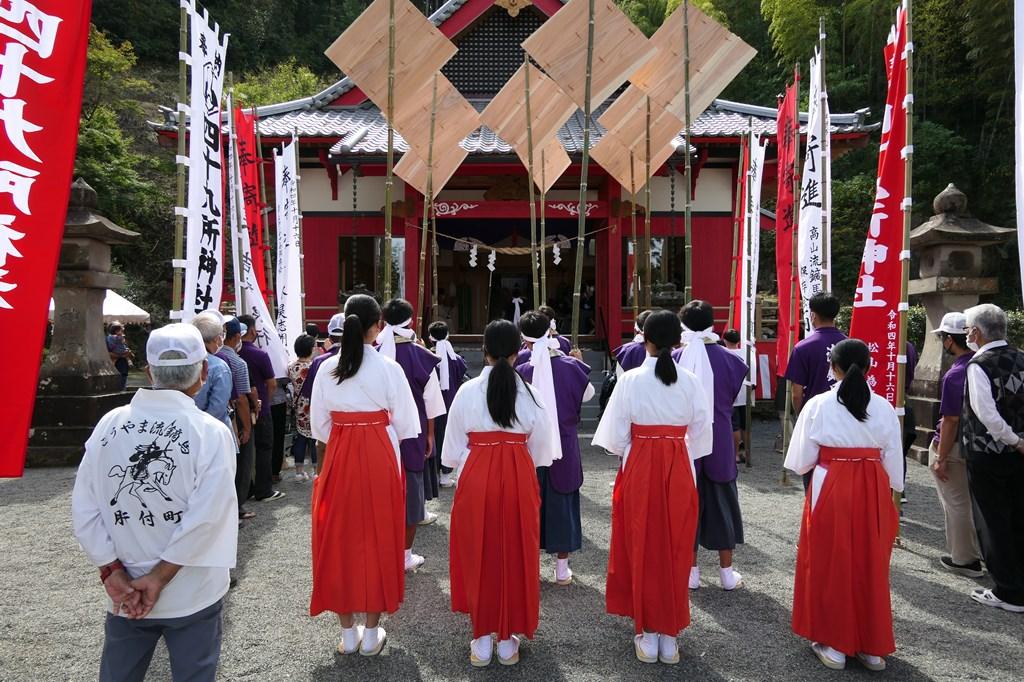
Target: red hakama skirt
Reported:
[(654, 523), (494, 559), (358, 519), (841, 593)]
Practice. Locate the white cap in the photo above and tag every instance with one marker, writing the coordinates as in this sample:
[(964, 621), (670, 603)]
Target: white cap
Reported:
[(336, 325), (180, 337), (214, 314), (952, 323)]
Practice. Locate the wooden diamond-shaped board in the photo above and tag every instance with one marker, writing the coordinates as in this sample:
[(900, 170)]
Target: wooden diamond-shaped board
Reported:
[(456, 118), (361, 52), (549, 162), (413, 168), (560, 48)]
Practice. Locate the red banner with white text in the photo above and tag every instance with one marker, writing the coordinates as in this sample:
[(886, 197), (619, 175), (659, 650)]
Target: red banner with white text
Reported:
[(788, 136), (42, 64), (739, 237), (876, 305), (249, 165)]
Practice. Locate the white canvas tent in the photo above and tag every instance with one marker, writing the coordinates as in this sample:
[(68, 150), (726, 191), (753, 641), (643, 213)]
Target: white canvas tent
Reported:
[(117, 308)]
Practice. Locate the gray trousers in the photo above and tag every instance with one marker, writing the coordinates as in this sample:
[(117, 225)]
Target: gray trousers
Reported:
[(243, 472), (955, 496), (193, 644)]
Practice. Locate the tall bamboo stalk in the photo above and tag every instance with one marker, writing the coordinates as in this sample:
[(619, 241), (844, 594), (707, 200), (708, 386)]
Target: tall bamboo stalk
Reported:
[(826, 152), (543, 233), (649, 258), (434, 254), (264, 210), (533, 197), (740, 174), (581, 233), (908, 185), (177, 301), (298, 231), (389, 180), (635, 275), (794, 284), (428, 199), (687, 208)]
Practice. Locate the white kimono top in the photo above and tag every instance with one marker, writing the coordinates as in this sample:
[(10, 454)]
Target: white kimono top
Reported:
[(468, 414), (640, 397), (157, 482), (825, 421), (378, 385)]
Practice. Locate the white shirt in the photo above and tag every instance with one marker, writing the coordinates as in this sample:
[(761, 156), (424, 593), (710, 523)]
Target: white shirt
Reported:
[(984, 405), (640, 397), (469, 414), (433, 400), (378, 385), (825, 421), (157, 482)]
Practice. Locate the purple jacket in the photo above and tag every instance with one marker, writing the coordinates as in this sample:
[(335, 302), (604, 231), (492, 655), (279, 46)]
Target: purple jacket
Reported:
[(571, 378), (456, 375), (418, 363), (810, 362), (630, 355)]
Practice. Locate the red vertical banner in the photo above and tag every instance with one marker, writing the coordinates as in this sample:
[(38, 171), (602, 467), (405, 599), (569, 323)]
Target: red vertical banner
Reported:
[(876, 305), (42, 66), (739, 226), (248, 162), (788, 136)]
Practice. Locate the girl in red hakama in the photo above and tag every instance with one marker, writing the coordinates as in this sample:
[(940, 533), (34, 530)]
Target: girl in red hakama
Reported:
[(658, 421), (497, 436), (852, 440), (361, 406)]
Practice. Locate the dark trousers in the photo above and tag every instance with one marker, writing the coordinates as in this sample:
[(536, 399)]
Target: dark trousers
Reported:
[(439, 426), (263, 435), (996, 483), (193, 645), (243, 472), (278, 414)]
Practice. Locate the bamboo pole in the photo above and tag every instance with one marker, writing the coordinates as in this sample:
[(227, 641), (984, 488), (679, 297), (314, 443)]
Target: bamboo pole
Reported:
[(389, 180), (794, 285), (264, 210), (908, 185), (232, 226), (748, 295), (534, 279), (298, 231), (826, 152), (543, 233), (434, 254), (428, 199), (581, 234), (740, 174), (648, 256), (666, 248), (177, 301), (687, 208), (635, 275)]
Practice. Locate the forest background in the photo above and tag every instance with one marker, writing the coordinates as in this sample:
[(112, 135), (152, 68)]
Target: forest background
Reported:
[(963, 90)]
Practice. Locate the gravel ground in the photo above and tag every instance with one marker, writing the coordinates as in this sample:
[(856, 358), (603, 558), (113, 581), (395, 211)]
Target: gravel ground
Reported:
[(51, 602)]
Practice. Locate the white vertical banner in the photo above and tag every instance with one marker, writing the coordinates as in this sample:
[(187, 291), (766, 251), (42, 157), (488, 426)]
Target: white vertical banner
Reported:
[(204, 236), (289, 245), (245, 276), (752, 254), (813, 263), (1018, 65)]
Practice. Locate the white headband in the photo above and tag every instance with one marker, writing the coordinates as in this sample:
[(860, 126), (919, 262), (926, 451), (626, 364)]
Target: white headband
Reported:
[(386, 337)]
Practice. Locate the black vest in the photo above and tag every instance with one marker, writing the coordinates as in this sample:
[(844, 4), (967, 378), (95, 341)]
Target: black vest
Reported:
[(1004, 367)]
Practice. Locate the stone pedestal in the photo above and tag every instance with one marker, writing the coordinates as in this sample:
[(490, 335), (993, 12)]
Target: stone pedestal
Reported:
[(77, 381), (954, 272)]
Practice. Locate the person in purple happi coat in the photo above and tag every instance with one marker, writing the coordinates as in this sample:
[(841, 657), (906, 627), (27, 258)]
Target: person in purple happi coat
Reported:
[(632, 354), (451, 373)]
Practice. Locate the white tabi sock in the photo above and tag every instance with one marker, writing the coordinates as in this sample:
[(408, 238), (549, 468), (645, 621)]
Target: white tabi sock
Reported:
[(350, 637), (408, 555), (507, 648), (730, 578), (370, 637), (668, 646), (694, 577), (482, 647), (562, 571), (649, 644)]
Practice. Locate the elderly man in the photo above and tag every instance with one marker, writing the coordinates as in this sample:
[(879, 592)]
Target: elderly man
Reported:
[(992, 421), (154, 509), (945, 458), (241, 389), (217, 392)]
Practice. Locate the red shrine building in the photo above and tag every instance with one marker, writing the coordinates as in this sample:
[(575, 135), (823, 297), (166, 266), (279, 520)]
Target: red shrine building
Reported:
[(343, 145)]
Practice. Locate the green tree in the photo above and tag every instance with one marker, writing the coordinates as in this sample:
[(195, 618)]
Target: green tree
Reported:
[(286, 81)]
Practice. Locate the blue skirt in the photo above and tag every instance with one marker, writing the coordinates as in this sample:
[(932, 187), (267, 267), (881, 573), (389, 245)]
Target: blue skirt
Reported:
[(561, 529)]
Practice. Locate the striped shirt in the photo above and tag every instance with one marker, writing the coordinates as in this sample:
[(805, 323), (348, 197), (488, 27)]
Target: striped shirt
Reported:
[(239, 371)]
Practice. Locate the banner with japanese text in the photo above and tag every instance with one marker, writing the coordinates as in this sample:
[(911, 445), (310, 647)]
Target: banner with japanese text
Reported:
[(788, 137), (752, 253), (204, 235), (815, 190), (42, 66), (876, 304), (739, 238), (289, 247), (249, 167)]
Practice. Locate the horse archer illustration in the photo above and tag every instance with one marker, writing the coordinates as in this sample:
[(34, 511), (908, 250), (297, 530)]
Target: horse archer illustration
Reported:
[(150, 471)]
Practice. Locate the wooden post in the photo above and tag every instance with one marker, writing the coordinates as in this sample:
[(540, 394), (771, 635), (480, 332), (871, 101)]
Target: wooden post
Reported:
[(794, 285), (434, 254), (581, 235), (635, 275), (534, 279), (389, 180), (428, 199), (740, 175), (648, 258), (543, 233), (264, 210), (177, 301), (687, 208)]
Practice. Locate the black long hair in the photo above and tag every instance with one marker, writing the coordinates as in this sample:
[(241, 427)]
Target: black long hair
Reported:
[(662, 329), (361, 313), (853, 358), (501, 340)]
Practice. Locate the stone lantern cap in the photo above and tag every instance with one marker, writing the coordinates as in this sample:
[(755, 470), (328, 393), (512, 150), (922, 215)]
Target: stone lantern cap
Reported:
[(952, 224), (83, 221)]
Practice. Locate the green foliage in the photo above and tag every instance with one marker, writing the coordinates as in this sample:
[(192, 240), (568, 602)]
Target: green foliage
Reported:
[(917, 325), (286, 81), (109, 82), (852, 200)]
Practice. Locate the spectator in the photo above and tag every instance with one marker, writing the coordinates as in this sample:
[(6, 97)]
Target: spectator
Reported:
[(731, 340), (945, 457), (119, 352), (313, 330), (215, 395), (334, 331), (261, 374), (993, 416), (279, 415), (164, 542), (302, 442), (241, 388)]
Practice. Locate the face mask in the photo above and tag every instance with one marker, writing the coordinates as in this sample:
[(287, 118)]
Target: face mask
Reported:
[(973, 346)]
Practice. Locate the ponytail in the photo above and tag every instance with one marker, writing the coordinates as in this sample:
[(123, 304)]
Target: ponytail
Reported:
[(501, 393), (851, 356), (662, 329), (665, 369), (361, 313)]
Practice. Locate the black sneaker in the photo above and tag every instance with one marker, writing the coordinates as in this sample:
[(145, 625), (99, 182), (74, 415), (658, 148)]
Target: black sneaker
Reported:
[(972, 570)]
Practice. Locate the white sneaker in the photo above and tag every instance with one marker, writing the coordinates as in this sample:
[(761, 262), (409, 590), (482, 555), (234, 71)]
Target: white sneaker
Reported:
[(830, 658), (989, 598), (351, 638), (447, 481), (413, 562), (694, 577), (428, 518), (731, 578), (301, 476), (668, 649)]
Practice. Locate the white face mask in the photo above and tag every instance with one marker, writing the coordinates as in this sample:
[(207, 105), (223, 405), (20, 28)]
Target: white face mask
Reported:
[(973, 346)]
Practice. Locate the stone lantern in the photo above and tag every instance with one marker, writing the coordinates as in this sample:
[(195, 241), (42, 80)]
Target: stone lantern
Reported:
[(954, 272), (77, 381)]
